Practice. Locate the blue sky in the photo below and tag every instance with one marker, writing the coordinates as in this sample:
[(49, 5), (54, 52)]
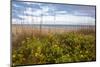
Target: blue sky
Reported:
[(30, 13)]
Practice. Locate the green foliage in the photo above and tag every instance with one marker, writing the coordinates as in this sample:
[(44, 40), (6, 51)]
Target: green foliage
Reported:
[(54, 48)]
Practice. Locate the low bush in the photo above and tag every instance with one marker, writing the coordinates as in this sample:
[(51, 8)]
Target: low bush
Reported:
[(54, 48)]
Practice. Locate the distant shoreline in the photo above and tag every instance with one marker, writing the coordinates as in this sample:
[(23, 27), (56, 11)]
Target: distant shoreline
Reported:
[(55, 24), (50, 28)]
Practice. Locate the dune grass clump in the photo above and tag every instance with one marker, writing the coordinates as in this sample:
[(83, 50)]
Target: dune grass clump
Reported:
[(53, 48)]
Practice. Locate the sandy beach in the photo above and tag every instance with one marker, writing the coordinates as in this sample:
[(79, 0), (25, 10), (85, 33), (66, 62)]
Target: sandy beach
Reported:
[(20, 29)]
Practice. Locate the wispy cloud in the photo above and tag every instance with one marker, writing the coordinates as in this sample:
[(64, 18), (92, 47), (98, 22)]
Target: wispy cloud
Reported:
[(31, 12)]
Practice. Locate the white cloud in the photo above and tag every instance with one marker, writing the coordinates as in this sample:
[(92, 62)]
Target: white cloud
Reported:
[(28, 11), (28, 3), (61, 12), (36, 12), (31, 3), (15, 5), (16, 21), (45, 8), (60, 19), (72, 19)]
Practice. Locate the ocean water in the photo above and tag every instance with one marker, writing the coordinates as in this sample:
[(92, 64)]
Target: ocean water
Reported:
[(53, 26)]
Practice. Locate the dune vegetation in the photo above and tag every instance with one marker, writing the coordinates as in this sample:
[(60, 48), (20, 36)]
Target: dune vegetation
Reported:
[(39, 48)]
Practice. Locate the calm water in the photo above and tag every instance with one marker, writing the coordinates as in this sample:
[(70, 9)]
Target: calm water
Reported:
[(53, 26)]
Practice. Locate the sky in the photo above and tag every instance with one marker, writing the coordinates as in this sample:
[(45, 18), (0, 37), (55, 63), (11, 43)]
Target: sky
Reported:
[(50, 13)]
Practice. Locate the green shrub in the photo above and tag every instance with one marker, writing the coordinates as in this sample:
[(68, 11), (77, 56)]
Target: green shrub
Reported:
[(54, 48)]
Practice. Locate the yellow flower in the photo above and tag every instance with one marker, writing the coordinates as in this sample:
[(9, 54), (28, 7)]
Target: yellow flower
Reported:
[(55, 45), (13, 56), (39, 48), (82, 56), (36, 54), (87, 52)]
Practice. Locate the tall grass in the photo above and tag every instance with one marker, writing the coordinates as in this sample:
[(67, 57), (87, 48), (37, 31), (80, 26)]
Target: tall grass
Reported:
[(29, 48)]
